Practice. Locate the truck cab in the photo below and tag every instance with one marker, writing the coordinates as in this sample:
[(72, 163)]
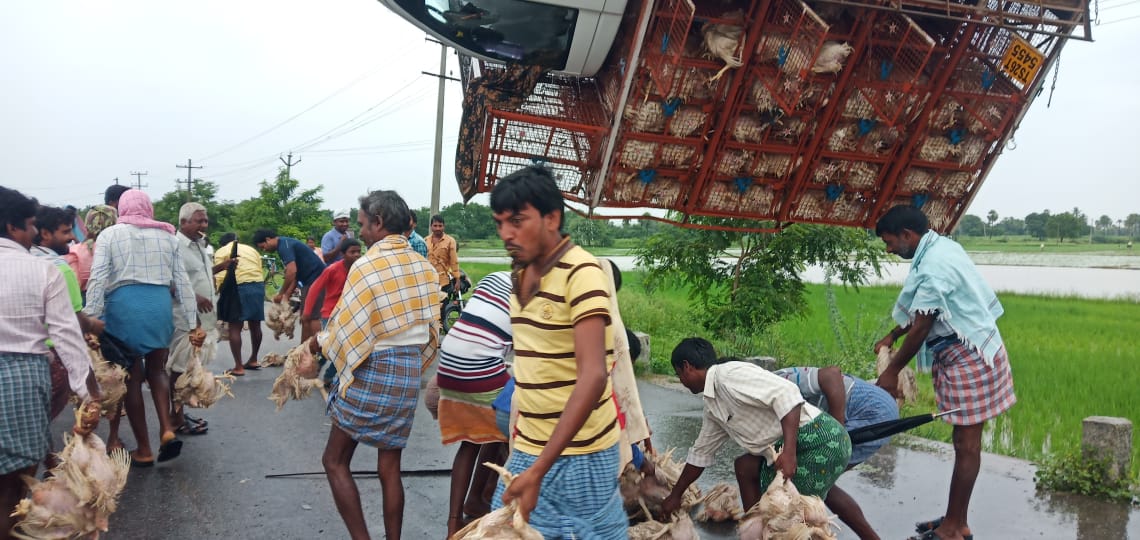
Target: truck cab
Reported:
[(571, 37)]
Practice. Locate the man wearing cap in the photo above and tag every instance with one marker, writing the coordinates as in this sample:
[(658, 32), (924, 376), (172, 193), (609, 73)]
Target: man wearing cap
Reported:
[(333, 242)]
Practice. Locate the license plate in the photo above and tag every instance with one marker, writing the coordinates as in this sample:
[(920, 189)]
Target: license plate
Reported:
[(1022, 61)]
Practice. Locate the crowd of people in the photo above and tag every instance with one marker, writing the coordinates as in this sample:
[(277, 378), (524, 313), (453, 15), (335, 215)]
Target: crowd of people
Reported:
[(536, 374)]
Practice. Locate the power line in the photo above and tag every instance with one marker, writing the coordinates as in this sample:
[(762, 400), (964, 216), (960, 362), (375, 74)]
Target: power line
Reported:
[(138, 179), (1114, 6), (295, 116), (1120, 20)]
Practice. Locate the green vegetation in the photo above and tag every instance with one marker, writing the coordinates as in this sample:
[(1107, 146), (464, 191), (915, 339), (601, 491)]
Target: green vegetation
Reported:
[(1071, 357), (1071, 472)]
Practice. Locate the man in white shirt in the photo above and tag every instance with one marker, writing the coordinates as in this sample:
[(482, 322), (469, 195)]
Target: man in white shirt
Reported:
[(198, 260), (34, 307), (761, 412)]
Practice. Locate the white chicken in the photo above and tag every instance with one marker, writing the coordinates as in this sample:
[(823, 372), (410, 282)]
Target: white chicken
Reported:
[(112, 378), (298, 379), (199, 388), (908, 384), (82, 493), (722, 41), (281, 319), (721, 503), (831, 57), (272, 359), (505, 523), (681, 528), (785, 514)]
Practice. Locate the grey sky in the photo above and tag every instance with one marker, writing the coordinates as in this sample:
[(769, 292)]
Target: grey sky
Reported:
[(95, 90)]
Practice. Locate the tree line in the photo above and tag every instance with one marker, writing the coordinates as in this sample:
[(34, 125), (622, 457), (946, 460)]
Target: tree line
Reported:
[(1046, 225)]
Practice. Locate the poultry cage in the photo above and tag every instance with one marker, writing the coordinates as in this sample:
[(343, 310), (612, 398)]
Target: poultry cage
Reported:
[(781, 110)]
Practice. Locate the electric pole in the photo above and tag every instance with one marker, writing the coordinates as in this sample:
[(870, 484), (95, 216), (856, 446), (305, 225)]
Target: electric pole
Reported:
[(189, 166), (289, 164), (138, 179), (435, 168)]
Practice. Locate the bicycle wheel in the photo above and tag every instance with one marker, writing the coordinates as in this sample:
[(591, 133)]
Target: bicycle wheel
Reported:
[(451, 313), (273, 284)]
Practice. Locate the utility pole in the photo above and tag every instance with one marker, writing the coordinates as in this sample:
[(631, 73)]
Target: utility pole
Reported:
[(116, 180), (289, 164), (138, 179), (189, 166), (435, 169)]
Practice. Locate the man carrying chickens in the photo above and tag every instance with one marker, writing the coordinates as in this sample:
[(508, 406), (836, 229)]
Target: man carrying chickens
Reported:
[(198, 260), (377, 338), (947, 306), (566, 451), (34, 306), (759, 411)]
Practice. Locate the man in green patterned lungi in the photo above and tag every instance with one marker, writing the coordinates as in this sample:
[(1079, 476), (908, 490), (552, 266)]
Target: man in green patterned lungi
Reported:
[(759, 411)]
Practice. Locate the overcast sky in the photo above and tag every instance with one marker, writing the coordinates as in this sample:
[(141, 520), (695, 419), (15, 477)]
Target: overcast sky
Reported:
[(92, 91)]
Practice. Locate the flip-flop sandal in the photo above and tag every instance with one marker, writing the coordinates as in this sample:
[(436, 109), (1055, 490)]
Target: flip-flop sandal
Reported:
[(923, 527), (931, 535), (235, 373), (190, 428), (251, 366), (140, 464), (169, 450), (198, 421)]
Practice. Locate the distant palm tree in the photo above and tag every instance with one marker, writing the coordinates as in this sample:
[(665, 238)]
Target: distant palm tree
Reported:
[(991, 218)]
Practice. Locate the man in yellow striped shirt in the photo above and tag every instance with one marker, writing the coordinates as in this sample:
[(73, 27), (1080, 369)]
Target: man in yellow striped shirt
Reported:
[(566, 440)]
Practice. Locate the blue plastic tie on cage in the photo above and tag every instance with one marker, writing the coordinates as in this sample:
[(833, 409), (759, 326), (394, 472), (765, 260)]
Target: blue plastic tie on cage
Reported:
[(885, 69), (919, 199), (833, 191), (866, 125), (955, 135), (988, 79), (670, 105), (664, 43), (782, 55), (647, 175), (742, 183)]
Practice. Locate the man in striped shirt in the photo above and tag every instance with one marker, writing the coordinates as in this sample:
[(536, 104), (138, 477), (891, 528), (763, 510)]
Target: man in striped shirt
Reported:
[(566, 440)]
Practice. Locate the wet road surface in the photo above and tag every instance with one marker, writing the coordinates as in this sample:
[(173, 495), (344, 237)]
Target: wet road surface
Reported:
[(218, 489)]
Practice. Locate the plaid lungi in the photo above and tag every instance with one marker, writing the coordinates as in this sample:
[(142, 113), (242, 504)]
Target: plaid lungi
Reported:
[(579, 496), (822, 452), (963, 380), (25, 394), (378, 408)]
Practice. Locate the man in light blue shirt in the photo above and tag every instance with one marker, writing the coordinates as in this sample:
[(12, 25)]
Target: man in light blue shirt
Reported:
[(332, 243), (415, 240)]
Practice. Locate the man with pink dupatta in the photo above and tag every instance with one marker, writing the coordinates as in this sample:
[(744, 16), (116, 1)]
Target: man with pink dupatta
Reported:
[(137, 265)]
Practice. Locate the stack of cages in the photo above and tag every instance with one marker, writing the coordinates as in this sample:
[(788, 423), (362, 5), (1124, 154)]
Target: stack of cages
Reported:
[(774, 119), (976, 113), (670, 108), (562, 125), (879, 105)]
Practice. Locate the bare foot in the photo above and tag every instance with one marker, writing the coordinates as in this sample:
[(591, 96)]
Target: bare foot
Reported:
[(473, 509), (454, 524)]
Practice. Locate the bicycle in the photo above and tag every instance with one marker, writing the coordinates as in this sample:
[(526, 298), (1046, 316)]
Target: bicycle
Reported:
[(453, 302), (274, 275)]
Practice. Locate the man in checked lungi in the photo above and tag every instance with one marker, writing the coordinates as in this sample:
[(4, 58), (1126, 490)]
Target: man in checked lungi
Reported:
[(378, 336), (566, 437), (946, 306), (34, 307)]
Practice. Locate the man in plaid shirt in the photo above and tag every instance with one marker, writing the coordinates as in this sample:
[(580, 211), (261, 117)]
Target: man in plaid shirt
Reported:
[(378, 338)]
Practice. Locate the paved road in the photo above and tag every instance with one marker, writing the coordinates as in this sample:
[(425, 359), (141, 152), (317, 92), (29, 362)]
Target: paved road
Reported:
[(218, 489)]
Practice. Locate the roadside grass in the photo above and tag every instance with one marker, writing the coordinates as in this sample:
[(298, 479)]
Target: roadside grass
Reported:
[(1071, 357), (1115, 245)]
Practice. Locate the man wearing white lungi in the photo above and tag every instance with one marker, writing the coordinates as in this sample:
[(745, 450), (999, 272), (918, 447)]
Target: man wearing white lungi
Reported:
[(198, 258)]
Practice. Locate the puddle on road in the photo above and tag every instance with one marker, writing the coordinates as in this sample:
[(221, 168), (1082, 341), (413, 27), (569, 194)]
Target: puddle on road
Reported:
[(900, 485)]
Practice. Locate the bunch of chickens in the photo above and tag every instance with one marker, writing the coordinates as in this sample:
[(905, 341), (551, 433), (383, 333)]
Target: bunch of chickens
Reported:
[(82, 493), (785, 514), (642, 495), (200, 388), (281, 319), (272, 359), (298, 379), (907, 385), (505, 523), (112, 378)]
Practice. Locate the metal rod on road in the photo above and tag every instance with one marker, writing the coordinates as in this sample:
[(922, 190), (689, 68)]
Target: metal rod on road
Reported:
[(414, 472)]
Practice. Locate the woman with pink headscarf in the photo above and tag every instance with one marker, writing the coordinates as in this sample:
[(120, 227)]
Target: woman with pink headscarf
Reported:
[(136, 269)]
